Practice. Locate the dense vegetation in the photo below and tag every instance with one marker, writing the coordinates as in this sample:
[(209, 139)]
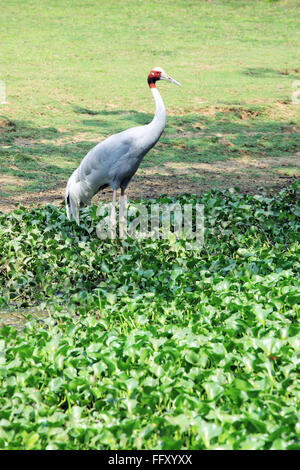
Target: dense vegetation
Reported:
[(145, 344)]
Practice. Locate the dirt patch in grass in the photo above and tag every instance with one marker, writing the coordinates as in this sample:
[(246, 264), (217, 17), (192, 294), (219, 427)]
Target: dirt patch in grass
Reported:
[(174, 178), (6, 125), (283, 109), (232, 166), (289, 71), (24, 142), (238, 111), (79, 137), (9, 180)]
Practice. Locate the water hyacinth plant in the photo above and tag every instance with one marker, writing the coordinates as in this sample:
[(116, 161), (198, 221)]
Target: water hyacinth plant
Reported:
[(143, 344)]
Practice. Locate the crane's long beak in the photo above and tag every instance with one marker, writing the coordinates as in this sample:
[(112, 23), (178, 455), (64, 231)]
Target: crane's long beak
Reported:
[(166, 77)]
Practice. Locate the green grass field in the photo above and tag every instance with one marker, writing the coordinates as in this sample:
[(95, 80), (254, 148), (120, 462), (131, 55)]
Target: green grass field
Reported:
[(151, 344), (75, 74)]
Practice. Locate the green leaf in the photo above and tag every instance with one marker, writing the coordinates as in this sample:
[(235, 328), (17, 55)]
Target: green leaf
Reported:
[(207, 431)]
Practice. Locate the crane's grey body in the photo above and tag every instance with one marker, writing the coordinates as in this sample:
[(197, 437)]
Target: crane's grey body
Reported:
[(114, 161)]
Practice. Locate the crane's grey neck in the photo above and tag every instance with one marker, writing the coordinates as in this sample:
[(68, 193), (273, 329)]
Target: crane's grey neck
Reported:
[(159, 121)]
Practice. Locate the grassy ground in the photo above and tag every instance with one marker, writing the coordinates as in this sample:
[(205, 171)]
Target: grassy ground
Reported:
[(75, 74)]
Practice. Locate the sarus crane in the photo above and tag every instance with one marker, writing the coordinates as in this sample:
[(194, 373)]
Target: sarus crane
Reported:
[(114, 161)]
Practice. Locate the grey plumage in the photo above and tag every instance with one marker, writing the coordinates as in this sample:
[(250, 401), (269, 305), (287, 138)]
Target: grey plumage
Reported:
[(114, 161)]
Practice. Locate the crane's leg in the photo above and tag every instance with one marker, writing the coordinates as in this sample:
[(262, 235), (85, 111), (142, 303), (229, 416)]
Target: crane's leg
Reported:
[(122, 219), (112, 219)]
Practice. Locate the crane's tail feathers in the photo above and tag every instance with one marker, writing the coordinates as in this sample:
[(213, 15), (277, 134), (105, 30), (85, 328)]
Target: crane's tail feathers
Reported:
[(72, 208), (68, 209)]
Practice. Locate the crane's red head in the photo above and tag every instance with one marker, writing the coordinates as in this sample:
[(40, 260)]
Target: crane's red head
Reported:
[(153, 76), (159, 74)]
